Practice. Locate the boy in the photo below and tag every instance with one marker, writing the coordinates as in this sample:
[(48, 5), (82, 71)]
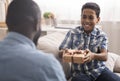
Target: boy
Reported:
[(88, 37)]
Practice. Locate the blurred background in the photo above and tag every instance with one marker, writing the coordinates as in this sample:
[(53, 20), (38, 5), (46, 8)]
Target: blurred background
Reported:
[(67, 12)]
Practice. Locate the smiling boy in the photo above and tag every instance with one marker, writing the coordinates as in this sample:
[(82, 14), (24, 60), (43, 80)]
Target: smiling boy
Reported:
[(89, 37)]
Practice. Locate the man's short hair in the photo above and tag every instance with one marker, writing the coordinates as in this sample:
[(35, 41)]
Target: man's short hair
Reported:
[(22, 11)]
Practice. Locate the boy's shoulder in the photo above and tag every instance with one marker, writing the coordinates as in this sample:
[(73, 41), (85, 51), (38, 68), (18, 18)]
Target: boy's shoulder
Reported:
[(77, 30), (99, 32)]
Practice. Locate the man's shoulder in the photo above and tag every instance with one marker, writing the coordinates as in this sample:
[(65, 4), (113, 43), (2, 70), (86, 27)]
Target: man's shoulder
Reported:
[(39, 54), (29, 63), (37, 58)]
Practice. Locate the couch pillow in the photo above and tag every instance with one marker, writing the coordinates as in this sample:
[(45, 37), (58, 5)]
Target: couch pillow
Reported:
[(112, 57), (117, 65), (50, 44), (47, 45)]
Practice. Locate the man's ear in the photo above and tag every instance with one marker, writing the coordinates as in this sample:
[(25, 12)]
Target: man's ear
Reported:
[(38, 25), (38, 32), (36, 37)]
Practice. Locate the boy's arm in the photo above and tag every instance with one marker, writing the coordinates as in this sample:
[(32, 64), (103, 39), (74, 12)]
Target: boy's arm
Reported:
[(96, 56), (102, 51), (66, 44), (101, 56)]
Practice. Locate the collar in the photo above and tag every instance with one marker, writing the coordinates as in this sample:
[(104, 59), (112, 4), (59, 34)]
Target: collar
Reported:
[(94, 32), (17, 37)]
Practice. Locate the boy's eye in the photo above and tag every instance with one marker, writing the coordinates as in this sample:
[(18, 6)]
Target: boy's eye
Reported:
[(84, 16), (91, 17)]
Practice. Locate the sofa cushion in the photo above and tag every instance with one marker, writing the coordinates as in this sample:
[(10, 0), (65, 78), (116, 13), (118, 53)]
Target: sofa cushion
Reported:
[(117, 65), (50, 43), (112, 57), (118, 74)]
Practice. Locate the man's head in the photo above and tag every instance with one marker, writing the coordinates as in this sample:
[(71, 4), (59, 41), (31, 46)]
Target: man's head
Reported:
[(23, 16), (90, 16)]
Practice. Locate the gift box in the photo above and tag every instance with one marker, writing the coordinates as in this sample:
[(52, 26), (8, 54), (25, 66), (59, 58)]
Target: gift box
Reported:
[(67, 57), (78, 58), (74, 56)]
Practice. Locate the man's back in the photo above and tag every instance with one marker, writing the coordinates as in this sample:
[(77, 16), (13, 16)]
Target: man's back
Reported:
[(20, 61)]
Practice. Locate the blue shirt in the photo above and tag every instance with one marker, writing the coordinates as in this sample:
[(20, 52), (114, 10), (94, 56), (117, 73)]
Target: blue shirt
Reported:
[(95, 41), (21, 61)]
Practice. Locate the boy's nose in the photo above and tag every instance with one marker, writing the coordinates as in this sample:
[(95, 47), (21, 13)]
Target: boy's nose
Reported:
[(87, 20)]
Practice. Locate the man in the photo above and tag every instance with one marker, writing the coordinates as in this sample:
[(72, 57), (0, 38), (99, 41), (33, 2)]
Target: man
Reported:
[(19, 58)]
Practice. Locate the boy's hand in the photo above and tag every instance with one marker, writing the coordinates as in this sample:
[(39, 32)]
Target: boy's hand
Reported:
[(89, 56), (60, 53)]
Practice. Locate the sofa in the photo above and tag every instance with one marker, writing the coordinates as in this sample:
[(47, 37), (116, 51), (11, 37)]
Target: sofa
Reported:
[(50, 44)]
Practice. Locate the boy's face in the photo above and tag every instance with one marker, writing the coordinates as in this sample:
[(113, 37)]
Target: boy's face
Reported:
[(89, 20)]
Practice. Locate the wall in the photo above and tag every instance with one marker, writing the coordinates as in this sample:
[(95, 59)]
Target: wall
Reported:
[(113, 31)]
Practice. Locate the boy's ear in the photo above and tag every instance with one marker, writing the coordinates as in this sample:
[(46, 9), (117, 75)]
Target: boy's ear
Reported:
[(98, 19)]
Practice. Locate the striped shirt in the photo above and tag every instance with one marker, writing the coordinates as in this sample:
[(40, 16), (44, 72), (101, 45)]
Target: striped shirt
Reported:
[(95, 41)]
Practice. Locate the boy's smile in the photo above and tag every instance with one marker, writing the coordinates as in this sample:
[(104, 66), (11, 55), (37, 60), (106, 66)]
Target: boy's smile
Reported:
[(89, 20)]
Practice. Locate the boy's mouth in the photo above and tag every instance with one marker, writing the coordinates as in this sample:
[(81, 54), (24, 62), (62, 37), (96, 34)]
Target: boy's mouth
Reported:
[(86, 26)]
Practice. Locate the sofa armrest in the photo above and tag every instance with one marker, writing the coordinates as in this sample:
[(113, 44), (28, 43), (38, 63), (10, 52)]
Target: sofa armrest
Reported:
[(117, 65), (50, 42), (110, 63)]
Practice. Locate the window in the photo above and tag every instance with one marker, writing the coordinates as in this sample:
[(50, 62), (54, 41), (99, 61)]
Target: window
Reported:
[(3, 10)]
